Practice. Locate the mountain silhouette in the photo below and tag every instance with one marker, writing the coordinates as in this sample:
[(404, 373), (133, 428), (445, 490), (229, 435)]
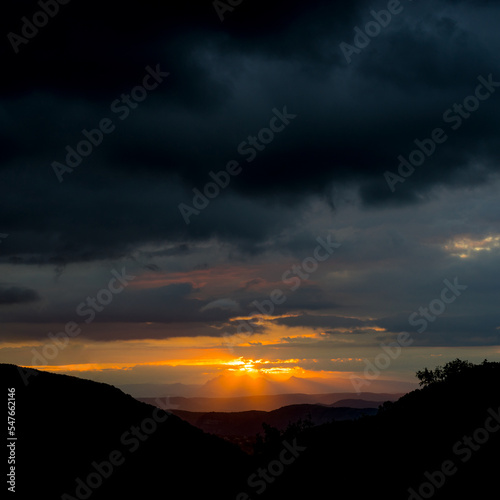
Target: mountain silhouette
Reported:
[(273, 402), (67, 428), (400, 453), (244, 426), (358, 403)]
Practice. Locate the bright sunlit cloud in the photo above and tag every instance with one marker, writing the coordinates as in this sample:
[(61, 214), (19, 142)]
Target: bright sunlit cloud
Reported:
[(465, 246)]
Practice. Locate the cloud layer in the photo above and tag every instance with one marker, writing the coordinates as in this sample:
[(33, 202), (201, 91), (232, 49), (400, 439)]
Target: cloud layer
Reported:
[(322, 174)]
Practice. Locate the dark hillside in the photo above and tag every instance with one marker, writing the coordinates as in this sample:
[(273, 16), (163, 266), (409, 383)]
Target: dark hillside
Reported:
[(64, 424)]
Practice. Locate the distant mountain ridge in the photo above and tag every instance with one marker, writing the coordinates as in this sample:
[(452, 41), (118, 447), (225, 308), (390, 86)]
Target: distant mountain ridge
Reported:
[(270, 402), (245, 385), (249, 423), (359, 403)]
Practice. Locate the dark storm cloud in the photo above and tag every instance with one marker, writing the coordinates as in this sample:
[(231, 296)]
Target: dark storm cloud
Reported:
[(173, 303), (57, 224), (168, 304), (450, 330), (96, 50), (323, 322), (225, 78), (17, 295), (310, 297), (182, 249)]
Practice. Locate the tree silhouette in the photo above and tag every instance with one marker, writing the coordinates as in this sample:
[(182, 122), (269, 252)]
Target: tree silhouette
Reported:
[(443, 373)]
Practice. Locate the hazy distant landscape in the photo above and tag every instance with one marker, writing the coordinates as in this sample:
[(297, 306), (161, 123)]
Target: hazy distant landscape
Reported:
[(247, 427), (240, 420), (265, 403), (245, 385)]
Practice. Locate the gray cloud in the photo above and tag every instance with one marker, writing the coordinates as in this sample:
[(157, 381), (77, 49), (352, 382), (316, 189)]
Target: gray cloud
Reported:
[(17, 295)]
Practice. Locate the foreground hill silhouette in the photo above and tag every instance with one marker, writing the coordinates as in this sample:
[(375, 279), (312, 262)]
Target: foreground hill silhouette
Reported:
[(64, 424), (386, 455)]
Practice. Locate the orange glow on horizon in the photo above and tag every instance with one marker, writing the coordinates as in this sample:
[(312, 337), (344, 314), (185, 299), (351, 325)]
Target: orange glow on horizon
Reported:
[(232, 369)]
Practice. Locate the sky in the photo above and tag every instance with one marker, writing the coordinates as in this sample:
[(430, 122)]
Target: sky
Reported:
[(270, 188)]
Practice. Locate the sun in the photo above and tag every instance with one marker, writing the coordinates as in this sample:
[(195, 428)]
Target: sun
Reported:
[(243, 366), (261, 367)]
